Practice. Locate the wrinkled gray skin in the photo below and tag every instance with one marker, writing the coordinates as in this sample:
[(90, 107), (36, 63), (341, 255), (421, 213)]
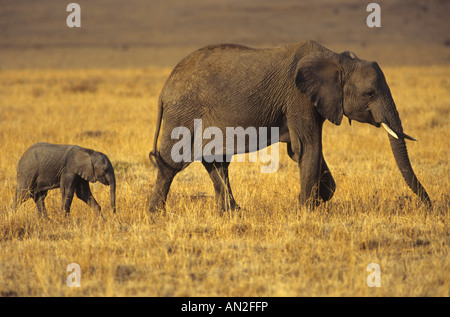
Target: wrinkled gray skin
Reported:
[(46, 166), (296, 88)]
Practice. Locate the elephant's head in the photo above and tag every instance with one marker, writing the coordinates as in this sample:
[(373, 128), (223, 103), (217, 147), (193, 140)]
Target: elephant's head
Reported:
[(342, 84), (94, 166)]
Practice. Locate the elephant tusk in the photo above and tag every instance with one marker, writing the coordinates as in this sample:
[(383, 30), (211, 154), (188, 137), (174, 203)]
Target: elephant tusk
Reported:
[(389, 130)]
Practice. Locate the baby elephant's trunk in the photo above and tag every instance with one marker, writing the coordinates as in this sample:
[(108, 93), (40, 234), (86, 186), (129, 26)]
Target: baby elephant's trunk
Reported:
[(112, 184)]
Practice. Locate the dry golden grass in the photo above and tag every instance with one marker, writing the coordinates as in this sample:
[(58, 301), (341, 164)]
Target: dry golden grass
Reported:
[(269, 248)]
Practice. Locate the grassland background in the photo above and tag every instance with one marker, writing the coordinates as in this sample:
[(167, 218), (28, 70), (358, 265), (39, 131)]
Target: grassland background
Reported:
[(98, 88)]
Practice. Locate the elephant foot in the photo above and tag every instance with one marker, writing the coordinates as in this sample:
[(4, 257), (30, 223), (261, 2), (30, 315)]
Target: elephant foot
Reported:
[(155, 206), (310, 203), (231, 206), (155, 202)]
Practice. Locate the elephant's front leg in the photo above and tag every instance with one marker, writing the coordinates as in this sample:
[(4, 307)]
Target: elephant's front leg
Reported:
[(327, 185), (310, 169), (83, 192)]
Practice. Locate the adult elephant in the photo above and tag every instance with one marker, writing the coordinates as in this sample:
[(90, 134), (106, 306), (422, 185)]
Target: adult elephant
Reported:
[(45, 166), (295, 88)]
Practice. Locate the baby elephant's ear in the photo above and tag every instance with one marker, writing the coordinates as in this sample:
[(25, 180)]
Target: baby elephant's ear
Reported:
[(318, 76), (80, 162)]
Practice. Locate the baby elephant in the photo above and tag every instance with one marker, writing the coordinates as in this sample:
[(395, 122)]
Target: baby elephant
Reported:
[(45, 166)]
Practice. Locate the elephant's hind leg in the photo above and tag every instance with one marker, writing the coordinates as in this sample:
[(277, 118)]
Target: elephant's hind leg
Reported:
[(158, 195), (218, 172), (25, 189), (39, 198), (20, 197)]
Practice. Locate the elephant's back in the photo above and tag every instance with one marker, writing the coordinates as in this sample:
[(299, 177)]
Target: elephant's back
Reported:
[(206, 67), (40, 152), (212, 53), (46, 147), (231, 61), (217, 74)]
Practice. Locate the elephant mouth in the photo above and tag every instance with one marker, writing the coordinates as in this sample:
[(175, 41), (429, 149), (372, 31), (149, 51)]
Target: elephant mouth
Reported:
[(363, 116), (103, 181), (372, 118)]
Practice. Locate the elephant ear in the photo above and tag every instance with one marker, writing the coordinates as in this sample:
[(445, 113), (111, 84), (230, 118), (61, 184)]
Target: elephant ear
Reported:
[(318, 76), (80, 162)]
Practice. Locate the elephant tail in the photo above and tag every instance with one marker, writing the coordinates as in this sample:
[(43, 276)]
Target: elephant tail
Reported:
[(154, 154)]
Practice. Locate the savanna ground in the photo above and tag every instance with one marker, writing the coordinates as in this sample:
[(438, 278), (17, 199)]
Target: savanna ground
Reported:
[(98, 87), (269, 248)]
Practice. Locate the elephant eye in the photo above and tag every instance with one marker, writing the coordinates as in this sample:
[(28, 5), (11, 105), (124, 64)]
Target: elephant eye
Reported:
[(370, 94)]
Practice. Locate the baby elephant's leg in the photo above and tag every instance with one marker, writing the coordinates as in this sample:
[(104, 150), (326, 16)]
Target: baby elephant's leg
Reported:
[(84, 193), (20, 197), (39, 200), (67, 192)]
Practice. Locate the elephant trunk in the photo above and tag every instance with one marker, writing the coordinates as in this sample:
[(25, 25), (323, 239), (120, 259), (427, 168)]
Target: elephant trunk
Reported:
[(112, 185), (400, 152), (392, 123)]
